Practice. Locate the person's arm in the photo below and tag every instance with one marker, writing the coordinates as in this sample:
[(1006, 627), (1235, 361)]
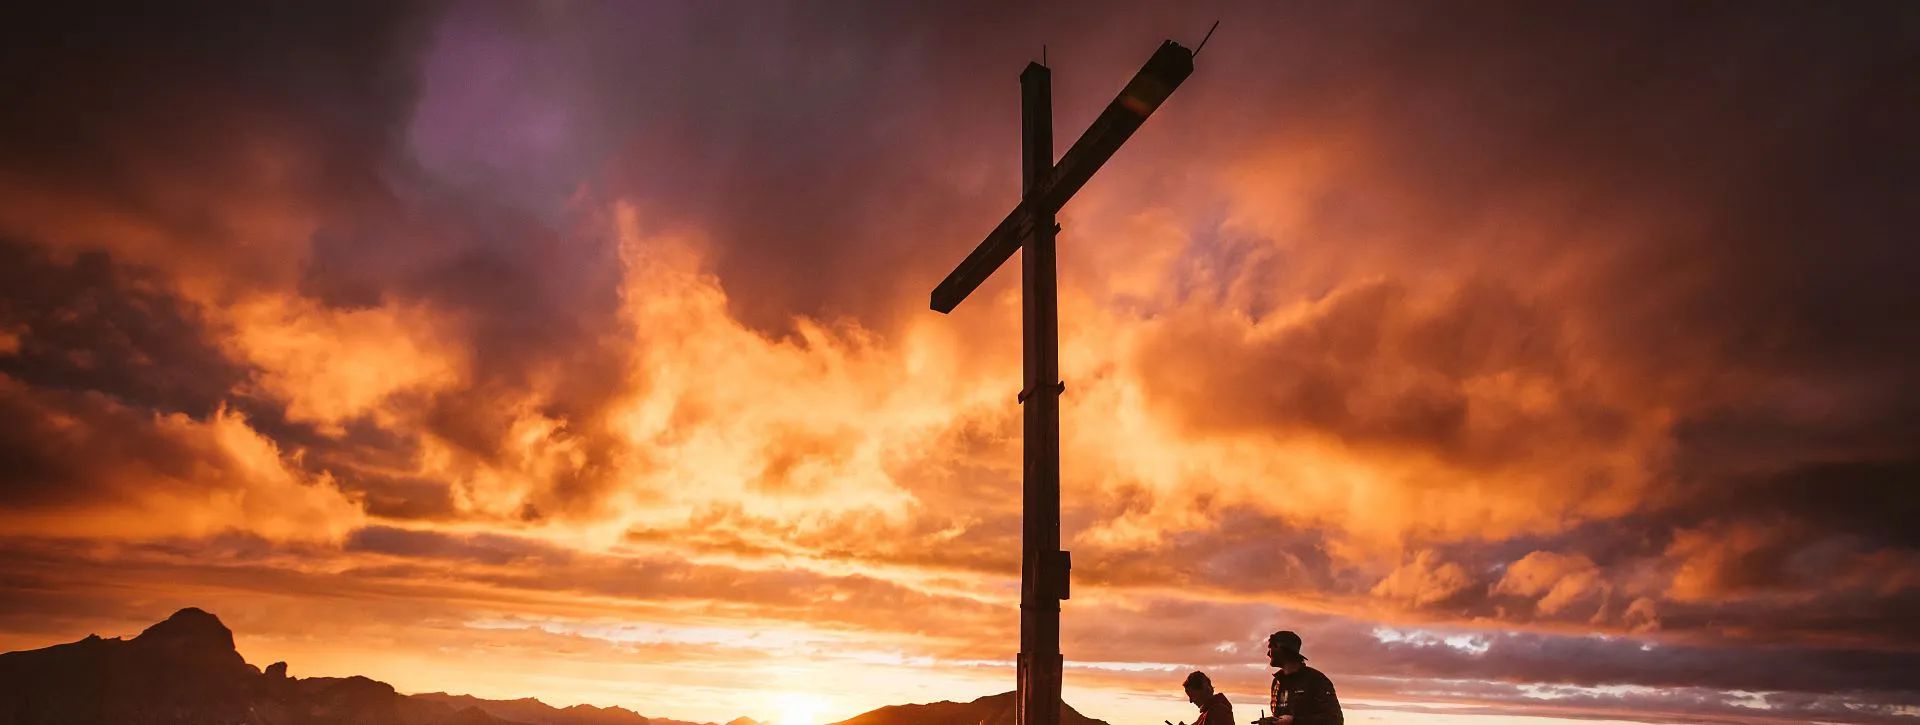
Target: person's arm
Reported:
[(1320, 706)]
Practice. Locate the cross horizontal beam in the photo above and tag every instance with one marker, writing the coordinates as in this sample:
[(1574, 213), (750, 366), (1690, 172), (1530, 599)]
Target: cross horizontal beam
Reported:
[(1169, 66)]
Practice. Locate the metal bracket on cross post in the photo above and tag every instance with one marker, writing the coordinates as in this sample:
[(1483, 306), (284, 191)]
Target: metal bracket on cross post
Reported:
[(1060, 569), (1058, 387)]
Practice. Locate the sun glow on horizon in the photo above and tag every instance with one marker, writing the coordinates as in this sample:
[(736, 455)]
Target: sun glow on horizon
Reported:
[(792, 708)]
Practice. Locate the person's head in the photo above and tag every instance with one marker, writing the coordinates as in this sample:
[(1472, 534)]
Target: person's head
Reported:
[(1283, 651), (1198, 687)]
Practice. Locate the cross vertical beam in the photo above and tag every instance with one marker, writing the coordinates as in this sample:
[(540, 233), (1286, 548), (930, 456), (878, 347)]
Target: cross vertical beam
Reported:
[(1040, 562), (1031, 227)]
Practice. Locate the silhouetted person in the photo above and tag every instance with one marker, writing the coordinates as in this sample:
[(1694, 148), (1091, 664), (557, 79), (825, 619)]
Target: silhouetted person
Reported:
[(1214, 708), (1301, 695)]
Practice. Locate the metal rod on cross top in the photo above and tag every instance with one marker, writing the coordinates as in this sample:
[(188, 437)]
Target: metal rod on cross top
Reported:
[(1045, 187)]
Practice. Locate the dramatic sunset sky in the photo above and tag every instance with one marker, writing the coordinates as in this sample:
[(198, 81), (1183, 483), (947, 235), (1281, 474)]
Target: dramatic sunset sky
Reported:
[(1543, 360)]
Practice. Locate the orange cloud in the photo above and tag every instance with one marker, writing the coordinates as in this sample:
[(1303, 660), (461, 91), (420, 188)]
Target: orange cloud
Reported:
[(1555, 581), (332, 365), (1424, 580), (101, 470), (803, 430)]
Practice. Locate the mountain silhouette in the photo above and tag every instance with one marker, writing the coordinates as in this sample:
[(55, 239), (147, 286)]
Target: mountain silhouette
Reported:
[(185, 670), (530, 711), (989, 710)]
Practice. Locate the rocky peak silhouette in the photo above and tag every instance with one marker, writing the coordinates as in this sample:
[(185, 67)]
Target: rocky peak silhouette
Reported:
[(176, 671), (195, 639), (192, 626)]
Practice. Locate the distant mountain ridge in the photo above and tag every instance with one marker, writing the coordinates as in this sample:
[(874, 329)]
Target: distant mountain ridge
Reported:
[(989, 710), (186, 670), (530, 711)]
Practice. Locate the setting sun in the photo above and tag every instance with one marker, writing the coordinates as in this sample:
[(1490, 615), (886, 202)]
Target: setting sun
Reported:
[(798, 709)]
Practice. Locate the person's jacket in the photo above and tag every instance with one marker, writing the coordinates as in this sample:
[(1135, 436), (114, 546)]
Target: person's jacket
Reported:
[(1216, 711), (1308, 696)]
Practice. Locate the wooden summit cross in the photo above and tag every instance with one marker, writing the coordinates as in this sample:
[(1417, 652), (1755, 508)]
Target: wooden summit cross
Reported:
[(1045, 187)]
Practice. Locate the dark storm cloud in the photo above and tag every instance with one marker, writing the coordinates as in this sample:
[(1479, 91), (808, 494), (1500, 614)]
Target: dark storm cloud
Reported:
[(1689, 220), (236, 149), (1596, 660), (1672, 705), (82, 465), (1574, 673), (167, 115), (89, 324), (1377, 370)]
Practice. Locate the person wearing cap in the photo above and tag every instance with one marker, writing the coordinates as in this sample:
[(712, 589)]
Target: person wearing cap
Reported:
[(1214, 708), (1301, 694)]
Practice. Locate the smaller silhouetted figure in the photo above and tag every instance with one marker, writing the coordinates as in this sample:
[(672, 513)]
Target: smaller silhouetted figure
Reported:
[(1301, 695), (1214, 708)]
